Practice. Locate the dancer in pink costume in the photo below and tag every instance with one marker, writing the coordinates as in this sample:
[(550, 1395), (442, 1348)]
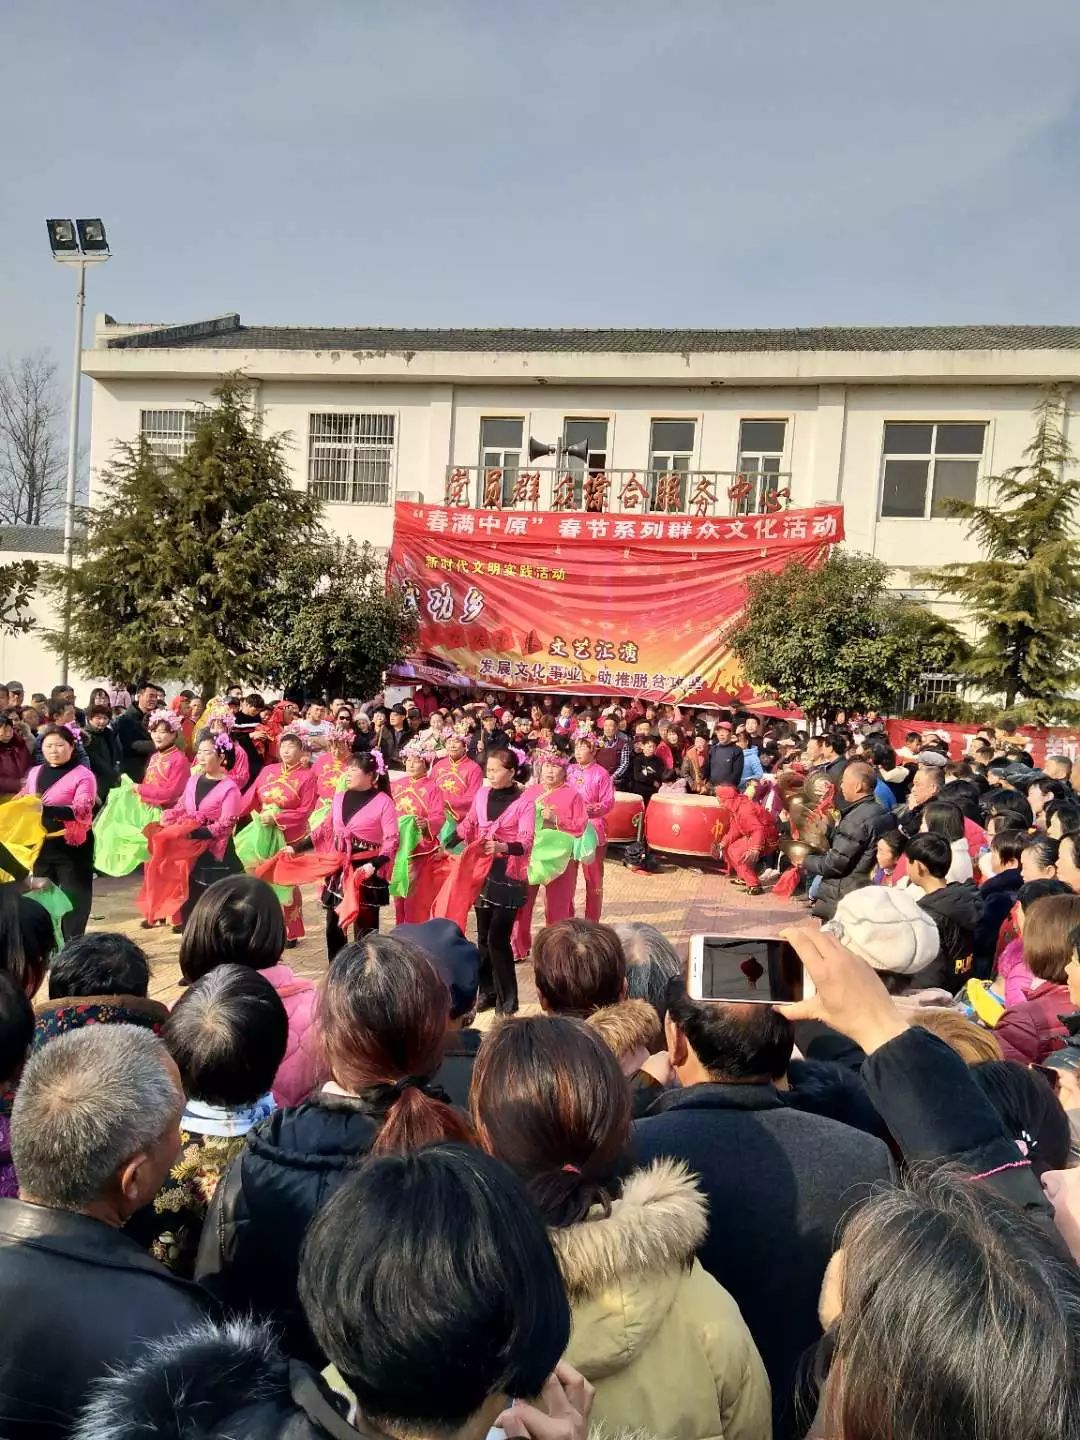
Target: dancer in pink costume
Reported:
[(169, 768), (456, 776), (289, 788), (416, 794), (562, 808), (595, 786)]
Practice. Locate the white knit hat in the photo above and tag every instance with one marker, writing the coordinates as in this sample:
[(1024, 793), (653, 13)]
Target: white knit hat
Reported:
[(887, 928)]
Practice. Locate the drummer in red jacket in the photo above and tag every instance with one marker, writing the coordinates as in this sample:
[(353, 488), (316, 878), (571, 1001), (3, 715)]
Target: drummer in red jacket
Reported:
[(750, 833)]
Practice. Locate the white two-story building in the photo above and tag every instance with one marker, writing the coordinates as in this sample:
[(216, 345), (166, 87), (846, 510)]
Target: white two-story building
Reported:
[(891, 422)]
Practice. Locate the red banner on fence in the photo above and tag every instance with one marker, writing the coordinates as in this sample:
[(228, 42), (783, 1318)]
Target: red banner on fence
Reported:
[(608, 604), (1037, 740)]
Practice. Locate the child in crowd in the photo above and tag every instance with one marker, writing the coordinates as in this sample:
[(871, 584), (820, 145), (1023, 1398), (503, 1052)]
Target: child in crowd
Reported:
[(890, 847), (1039, 859), (647, 770), (1000, 866), (1014, 975), (955, 907)]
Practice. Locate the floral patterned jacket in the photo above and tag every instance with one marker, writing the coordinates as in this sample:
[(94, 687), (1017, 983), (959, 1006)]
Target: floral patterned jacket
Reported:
[(210, 1140)]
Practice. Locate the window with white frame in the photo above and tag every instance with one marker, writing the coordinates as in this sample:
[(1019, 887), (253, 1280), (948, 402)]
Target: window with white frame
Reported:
[(593, 434), (671, 452), (169, 432), (500, 450), (926, 463), (351, 458), (761, 456)]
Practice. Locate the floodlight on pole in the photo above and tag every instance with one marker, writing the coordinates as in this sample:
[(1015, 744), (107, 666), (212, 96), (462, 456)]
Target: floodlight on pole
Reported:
[(81, 243)]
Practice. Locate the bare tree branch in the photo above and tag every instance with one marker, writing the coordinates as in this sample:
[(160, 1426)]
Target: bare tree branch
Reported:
[(32, 446)]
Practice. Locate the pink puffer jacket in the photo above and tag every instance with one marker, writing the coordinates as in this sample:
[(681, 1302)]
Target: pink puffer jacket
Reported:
[(1014, 972), (302, 1070)]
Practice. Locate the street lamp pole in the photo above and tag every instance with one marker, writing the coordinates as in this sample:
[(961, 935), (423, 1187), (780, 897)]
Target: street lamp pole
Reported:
[(72, 462), (81, 243)]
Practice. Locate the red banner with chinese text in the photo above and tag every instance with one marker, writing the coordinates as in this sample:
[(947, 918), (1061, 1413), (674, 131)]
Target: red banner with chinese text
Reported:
[(604, 604), (1039, 741)]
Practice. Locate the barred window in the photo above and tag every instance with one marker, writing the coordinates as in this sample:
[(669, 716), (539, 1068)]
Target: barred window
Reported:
[(671, 450), (761, 455), (168, 432), (350, 458)]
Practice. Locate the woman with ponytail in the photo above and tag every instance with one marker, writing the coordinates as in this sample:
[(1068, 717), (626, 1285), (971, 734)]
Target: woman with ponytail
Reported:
[(383, 1018), (660, 1339)]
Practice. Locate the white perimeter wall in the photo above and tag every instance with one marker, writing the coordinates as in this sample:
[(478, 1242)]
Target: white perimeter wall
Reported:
[(26, 657)]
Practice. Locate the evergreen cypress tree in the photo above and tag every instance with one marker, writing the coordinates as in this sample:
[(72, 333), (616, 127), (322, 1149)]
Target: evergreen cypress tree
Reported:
[(177, 560), (1024, 593), (332, 623)]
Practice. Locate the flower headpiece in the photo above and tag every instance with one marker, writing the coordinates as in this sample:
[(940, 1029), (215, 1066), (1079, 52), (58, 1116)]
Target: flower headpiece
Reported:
[(550, 756), (463, 729), (165, 717), (292, 733), (341, 734), (380, 763), (415, 751), (521, 755), (216, 710), (228, 720), (223, 744), (586, 735)]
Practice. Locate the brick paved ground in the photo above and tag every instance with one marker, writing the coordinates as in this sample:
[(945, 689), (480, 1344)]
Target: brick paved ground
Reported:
[(680, 900)]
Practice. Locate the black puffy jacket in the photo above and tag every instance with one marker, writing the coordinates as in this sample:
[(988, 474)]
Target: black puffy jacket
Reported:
[(249, 1255), (956, 911), (851, 856), (216, 1380)]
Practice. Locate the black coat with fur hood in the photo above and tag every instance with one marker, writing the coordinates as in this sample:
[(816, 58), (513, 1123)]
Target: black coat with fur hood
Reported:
[(214, 1381), (227, 1382)]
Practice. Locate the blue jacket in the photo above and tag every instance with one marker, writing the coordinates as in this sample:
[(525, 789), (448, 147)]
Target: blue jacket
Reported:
[(751, 765), (884, 794)]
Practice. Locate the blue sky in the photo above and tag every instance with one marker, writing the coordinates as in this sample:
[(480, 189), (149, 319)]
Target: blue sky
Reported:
[(500, 162)]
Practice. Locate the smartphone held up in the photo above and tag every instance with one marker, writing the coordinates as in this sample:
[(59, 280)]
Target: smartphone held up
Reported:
[(746, 970)]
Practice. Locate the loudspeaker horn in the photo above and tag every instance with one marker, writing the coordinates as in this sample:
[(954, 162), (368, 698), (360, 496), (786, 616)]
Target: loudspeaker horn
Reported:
[(580, 451), (537, 449)]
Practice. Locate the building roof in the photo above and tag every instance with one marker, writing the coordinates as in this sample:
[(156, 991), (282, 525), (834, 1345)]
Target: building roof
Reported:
[(227, 333), (32, 539)]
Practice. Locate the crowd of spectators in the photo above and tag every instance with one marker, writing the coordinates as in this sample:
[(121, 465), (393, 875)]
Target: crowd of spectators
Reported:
[(846, 1218)]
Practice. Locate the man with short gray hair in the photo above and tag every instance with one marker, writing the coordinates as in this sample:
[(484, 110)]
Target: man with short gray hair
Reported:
[(94, 1132), (651, 962)]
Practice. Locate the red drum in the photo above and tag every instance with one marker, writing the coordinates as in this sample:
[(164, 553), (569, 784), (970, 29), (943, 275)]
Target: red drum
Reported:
[(684, 824), (624, 822)]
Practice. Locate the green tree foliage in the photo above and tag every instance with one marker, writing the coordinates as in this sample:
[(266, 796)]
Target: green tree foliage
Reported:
[(1024, 594), (834, 636), (332, 625), (18, 581), (177, 560)]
